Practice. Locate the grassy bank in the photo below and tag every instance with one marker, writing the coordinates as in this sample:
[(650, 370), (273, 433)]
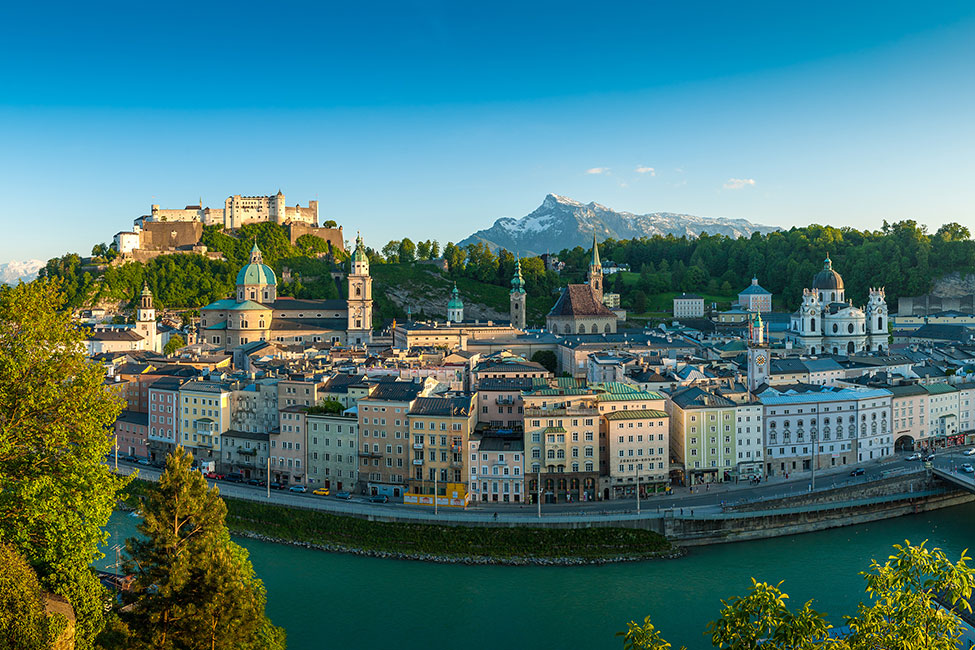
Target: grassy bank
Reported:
[(348, 533)]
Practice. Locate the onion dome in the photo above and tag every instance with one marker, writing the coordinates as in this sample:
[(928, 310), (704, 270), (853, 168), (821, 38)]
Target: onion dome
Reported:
[(360, 251), (518, 282)]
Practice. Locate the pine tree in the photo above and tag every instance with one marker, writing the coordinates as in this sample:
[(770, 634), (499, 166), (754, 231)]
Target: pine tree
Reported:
[(195, 588)]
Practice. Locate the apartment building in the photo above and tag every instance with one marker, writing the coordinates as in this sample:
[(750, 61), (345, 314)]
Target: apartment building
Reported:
[(944, 426), (204, 416), (703, 435), (385, 460), (440, 428), (246, 453), (288, 449), (561, 434), (499, 402), (497, 468), (908, 406), (333, 443), (164, 416)]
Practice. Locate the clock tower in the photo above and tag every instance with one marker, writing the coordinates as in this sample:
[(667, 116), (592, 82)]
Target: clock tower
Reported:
[(145, 320), (758, 354), (360, 297)]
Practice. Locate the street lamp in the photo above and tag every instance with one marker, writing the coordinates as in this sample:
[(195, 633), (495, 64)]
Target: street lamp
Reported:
[(637, 491)]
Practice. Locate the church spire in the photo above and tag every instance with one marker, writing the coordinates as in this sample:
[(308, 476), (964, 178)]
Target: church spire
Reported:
[(517, 282), (595, 252)]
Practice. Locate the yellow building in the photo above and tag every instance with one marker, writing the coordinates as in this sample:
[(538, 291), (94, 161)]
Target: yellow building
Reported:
[(440, 428)]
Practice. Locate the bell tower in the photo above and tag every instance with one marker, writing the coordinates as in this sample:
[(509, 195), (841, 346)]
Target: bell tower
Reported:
[(758, 354), (145, 320), (596, 272), (517, 300), (360, 297)]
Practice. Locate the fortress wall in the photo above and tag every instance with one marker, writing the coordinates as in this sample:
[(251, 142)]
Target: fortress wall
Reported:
[(161, 235), (333, 236)]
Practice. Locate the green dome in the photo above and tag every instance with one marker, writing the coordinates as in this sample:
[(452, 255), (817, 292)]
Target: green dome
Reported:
[(256, 274), (360, 251), (256, 271), (455, 301), (517, 282)]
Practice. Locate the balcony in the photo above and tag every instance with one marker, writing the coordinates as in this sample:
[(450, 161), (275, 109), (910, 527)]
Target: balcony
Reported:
[(370, 454), (417, 461), (246, 452), (417, 445), (506, 400), (457, 464)]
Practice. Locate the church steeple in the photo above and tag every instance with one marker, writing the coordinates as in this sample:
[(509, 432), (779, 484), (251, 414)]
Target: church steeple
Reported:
[(596, 271), (517, 298)]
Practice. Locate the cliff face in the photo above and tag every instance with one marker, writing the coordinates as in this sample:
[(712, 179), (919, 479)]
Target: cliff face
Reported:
[(954, 285)]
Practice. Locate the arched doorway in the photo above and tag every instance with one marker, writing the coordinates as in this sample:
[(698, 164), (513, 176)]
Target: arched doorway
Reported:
[(850, 348), (904, 443)]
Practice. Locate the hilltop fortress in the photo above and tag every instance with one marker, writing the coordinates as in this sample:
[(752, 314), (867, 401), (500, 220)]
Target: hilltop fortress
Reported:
[(165, 231)]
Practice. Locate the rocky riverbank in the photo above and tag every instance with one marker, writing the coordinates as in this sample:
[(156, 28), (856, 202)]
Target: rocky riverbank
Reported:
[(674, 553)]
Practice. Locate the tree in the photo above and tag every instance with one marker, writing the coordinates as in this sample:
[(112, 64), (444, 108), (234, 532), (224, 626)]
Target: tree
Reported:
[(194, 587), (327, 406), (547, 358), (56, 492), (423, 250), (24, 623), (434, 249), (174, 343), (330, 224), (639, 301), (902, 613), (455, 257), (391, 251), (407, 251)]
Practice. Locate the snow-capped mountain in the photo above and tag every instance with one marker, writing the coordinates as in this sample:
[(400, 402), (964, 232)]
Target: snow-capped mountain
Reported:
[(12, 272), (561, 223)]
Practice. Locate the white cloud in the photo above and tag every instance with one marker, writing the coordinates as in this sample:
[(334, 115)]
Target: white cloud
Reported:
[(645, 170), (598, 170), (738, 183)]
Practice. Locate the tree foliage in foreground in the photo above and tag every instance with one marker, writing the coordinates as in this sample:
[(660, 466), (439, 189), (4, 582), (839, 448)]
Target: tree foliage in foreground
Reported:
[(56, 492), (901, 612), (24, 623), (195, 588)]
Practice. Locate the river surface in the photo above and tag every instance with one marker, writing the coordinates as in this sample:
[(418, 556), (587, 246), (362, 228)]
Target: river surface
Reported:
[(338, 601)]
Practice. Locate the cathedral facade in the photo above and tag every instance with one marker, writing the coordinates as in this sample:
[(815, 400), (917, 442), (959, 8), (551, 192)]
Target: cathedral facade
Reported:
[(256, 313), (828, 323)]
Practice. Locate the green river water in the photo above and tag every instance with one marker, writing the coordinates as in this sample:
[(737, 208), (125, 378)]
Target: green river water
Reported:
[(338, 601)]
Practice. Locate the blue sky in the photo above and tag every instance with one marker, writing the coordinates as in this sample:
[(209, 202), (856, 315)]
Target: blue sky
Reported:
[(432, 119)]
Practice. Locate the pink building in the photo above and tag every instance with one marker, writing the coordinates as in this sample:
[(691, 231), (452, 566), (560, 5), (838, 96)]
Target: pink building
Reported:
[(132, 434)]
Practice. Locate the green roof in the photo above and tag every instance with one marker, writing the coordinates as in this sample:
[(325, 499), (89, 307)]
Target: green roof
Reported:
[(256, 271), (635, 415), (455, 301), (222, 325), (937, 389), (629, 397), (554, 430), (247, 305)]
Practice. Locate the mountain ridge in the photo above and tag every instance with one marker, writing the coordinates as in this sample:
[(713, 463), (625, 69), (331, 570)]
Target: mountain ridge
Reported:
[(14, 271), (562, 222)]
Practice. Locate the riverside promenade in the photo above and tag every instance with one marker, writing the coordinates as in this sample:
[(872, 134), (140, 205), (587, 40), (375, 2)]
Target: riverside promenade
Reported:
[(720, 513)]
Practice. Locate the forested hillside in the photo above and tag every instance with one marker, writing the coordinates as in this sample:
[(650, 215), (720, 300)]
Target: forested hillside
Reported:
[(902, 257)]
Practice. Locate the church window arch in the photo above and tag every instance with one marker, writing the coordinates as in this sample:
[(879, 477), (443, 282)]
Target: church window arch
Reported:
[(594, 329), (812, 324), (607, 329), (358, 290), (836, 328), (832, 296), (880, 322), (849, 328), (836, 350), (568, 329), (582, 328), (850, 347)]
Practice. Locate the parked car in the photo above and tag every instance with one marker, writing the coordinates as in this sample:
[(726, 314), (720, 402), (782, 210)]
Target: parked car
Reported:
[(968, 469), (929, 458), (378, 498), (277, 486), (253, 481), (297, 488), (970, 452), (234, 477), (214, 476), (914, 456), (343, 495), (322, 491), (859, 471), (144, 461)]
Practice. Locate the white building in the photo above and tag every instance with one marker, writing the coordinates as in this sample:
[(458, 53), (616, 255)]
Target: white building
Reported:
[(688, 305), (828, 426), (943, 411), (829, 324)]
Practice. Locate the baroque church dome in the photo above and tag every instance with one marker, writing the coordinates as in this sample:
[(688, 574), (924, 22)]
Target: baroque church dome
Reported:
[(827, 278), (256, 271)]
